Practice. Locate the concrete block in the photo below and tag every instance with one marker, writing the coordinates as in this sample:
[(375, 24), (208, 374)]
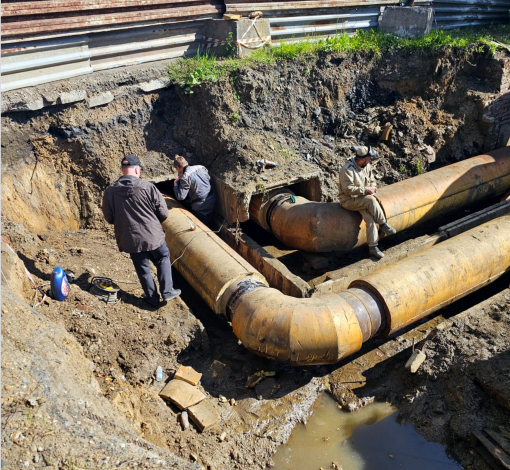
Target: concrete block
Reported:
[(31, 104), (205, 415), (156, 84), (216, 31), (188, 374), (406, 21), (181, 394), (415, 361), (72, 96), (100, 99)]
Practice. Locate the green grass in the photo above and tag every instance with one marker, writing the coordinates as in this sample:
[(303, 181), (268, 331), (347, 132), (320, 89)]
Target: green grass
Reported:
[(205, 67), (201, 68)]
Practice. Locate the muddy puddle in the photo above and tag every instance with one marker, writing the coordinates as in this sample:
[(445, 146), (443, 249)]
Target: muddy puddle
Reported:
[(370, 439)]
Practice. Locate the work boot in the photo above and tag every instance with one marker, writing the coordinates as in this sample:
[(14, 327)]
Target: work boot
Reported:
[(172, 295), (375, 252), (387, 229)]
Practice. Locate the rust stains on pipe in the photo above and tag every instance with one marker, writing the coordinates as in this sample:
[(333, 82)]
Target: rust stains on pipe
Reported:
[(323, 227), (427, 281), (326, 329), (441, 191), (208, 264), (296, 331)]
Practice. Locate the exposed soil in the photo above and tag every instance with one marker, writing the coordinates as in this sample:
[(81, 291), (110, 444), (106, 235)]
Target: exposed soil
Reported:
[(303, 115)]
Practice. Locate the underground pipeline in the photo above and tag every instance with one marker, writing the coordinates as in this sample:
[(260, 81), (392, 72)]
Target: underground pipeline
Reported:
[(326, 329), (324, 227)]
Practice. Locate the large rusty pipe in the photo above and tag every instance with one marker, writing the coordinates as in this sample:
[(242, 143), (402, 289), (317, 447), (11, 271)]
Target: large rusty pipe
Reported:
[(326, 329), (208, 264), (429, 280), (324, 227)]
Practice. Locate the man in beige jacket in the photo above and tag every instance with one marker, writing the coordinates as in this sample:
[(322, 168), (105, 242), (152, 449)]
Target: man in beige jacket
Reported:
[(357, 189)]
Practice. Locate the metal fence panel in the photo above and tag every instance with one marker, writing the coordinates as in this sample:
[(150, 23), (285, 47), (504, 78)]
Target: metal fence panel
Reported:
[(449, 14), (39, 62), (28, 20), (294, 20), (47, 40)]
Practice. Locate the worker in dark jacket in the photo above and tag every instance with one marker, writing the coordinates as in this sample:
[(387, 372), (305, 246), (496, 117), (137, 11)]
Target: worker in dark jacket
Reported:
[(194, 185), (136, 209)]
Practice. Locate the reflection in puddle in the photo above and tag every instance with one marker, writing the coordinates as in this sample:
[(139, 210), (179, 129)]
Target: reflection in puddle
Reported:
[(333, 435)]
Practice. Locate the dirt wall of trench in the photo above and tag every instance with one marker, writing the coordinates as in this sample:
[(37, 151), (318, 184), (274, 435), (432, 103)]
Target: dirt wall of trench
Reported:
[(304, 115)]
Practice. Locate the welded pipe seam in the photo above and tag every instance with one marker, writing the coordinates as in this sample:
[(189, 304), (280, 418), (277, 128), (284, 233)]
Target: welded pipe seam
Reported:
[(421, 284)]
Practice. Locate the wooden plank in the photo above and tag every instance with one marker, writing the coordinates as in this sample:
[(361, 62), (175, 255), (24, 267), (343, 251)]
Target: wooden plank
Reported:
[(497, 453), (277, 274), (500, 440)]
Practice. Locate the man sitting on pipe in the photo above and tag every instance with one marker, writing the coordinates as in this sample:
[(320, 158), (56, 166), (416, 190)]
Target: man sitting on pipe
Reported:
[(194, 184), (357, 189)]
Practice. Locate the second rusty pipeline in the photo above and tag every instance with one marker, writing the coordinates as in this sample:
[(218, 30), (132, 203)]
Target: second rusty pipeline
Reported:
[(324, 227), (326, 329)]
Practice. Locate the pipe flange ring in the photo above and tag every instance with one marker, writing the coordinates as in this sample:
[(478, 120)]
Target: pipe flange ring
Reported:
[(278, 200)]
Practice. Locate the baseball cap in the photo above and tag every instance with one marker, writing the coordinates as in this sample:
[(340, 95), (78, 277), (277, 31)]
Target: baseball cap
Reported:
[(131, 160)]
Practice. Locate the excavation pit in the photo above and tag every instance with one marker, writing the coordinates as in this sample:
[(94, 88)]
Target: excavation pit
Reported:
[(306, 117)]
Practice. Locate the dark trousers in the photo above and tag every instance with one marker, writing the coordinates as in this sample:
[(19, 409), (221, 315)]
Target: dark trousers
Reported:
[(161, 259)]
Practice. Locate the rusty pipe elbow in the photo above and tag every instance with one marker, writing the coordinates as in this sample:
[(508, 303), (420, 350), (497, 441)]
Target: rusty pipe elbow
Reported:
[(304, 331)]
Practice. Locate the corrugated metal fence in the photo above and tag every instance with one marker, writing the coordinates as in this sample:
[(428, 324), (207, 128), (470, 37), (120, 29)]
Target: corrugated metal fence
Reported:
[(48, 40), (449, 14)]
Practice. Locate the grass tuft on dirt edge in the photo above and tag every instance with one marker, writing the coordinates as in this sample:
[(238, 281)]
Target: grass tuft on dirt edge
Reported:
[(206, 67)]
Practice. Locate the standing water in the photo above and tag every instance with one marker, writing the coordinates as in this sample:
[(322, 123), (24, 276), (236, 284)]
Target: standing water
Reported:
[(369, 439)]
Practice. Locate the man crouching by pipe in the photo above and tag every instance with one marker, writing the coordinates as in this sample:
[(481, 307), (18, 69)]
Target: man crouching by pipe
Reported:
[(194, 185), (357, 188)]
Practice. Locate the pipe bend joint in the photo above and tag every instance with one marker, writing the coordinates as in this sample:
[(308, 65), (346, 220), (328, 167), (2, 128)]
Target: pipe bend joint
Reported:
[(296, 331)]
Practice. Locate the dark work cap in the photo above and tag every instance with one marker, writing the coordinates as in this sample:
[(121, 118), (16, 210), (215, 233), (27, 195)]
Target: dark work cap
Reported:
[(131, 160)]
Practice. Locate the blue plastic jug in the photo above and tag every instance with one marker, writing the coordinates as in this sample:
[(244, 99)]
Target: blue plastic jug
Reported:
[(59, 284)]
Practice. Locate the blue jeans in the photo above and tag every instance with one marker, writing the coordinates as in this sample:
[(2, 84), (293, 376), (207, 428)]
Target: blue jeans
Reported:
[(161, 259)]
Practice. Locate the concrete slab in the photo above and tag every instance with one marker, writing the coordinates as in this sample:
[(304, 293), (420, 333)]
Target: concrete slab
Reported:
[(407, 22), (233, 204), (181, 394), (415, 361), (277, 274), (205, 415), (156, 84), (72, 96), (100, 99), (188, 374)]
